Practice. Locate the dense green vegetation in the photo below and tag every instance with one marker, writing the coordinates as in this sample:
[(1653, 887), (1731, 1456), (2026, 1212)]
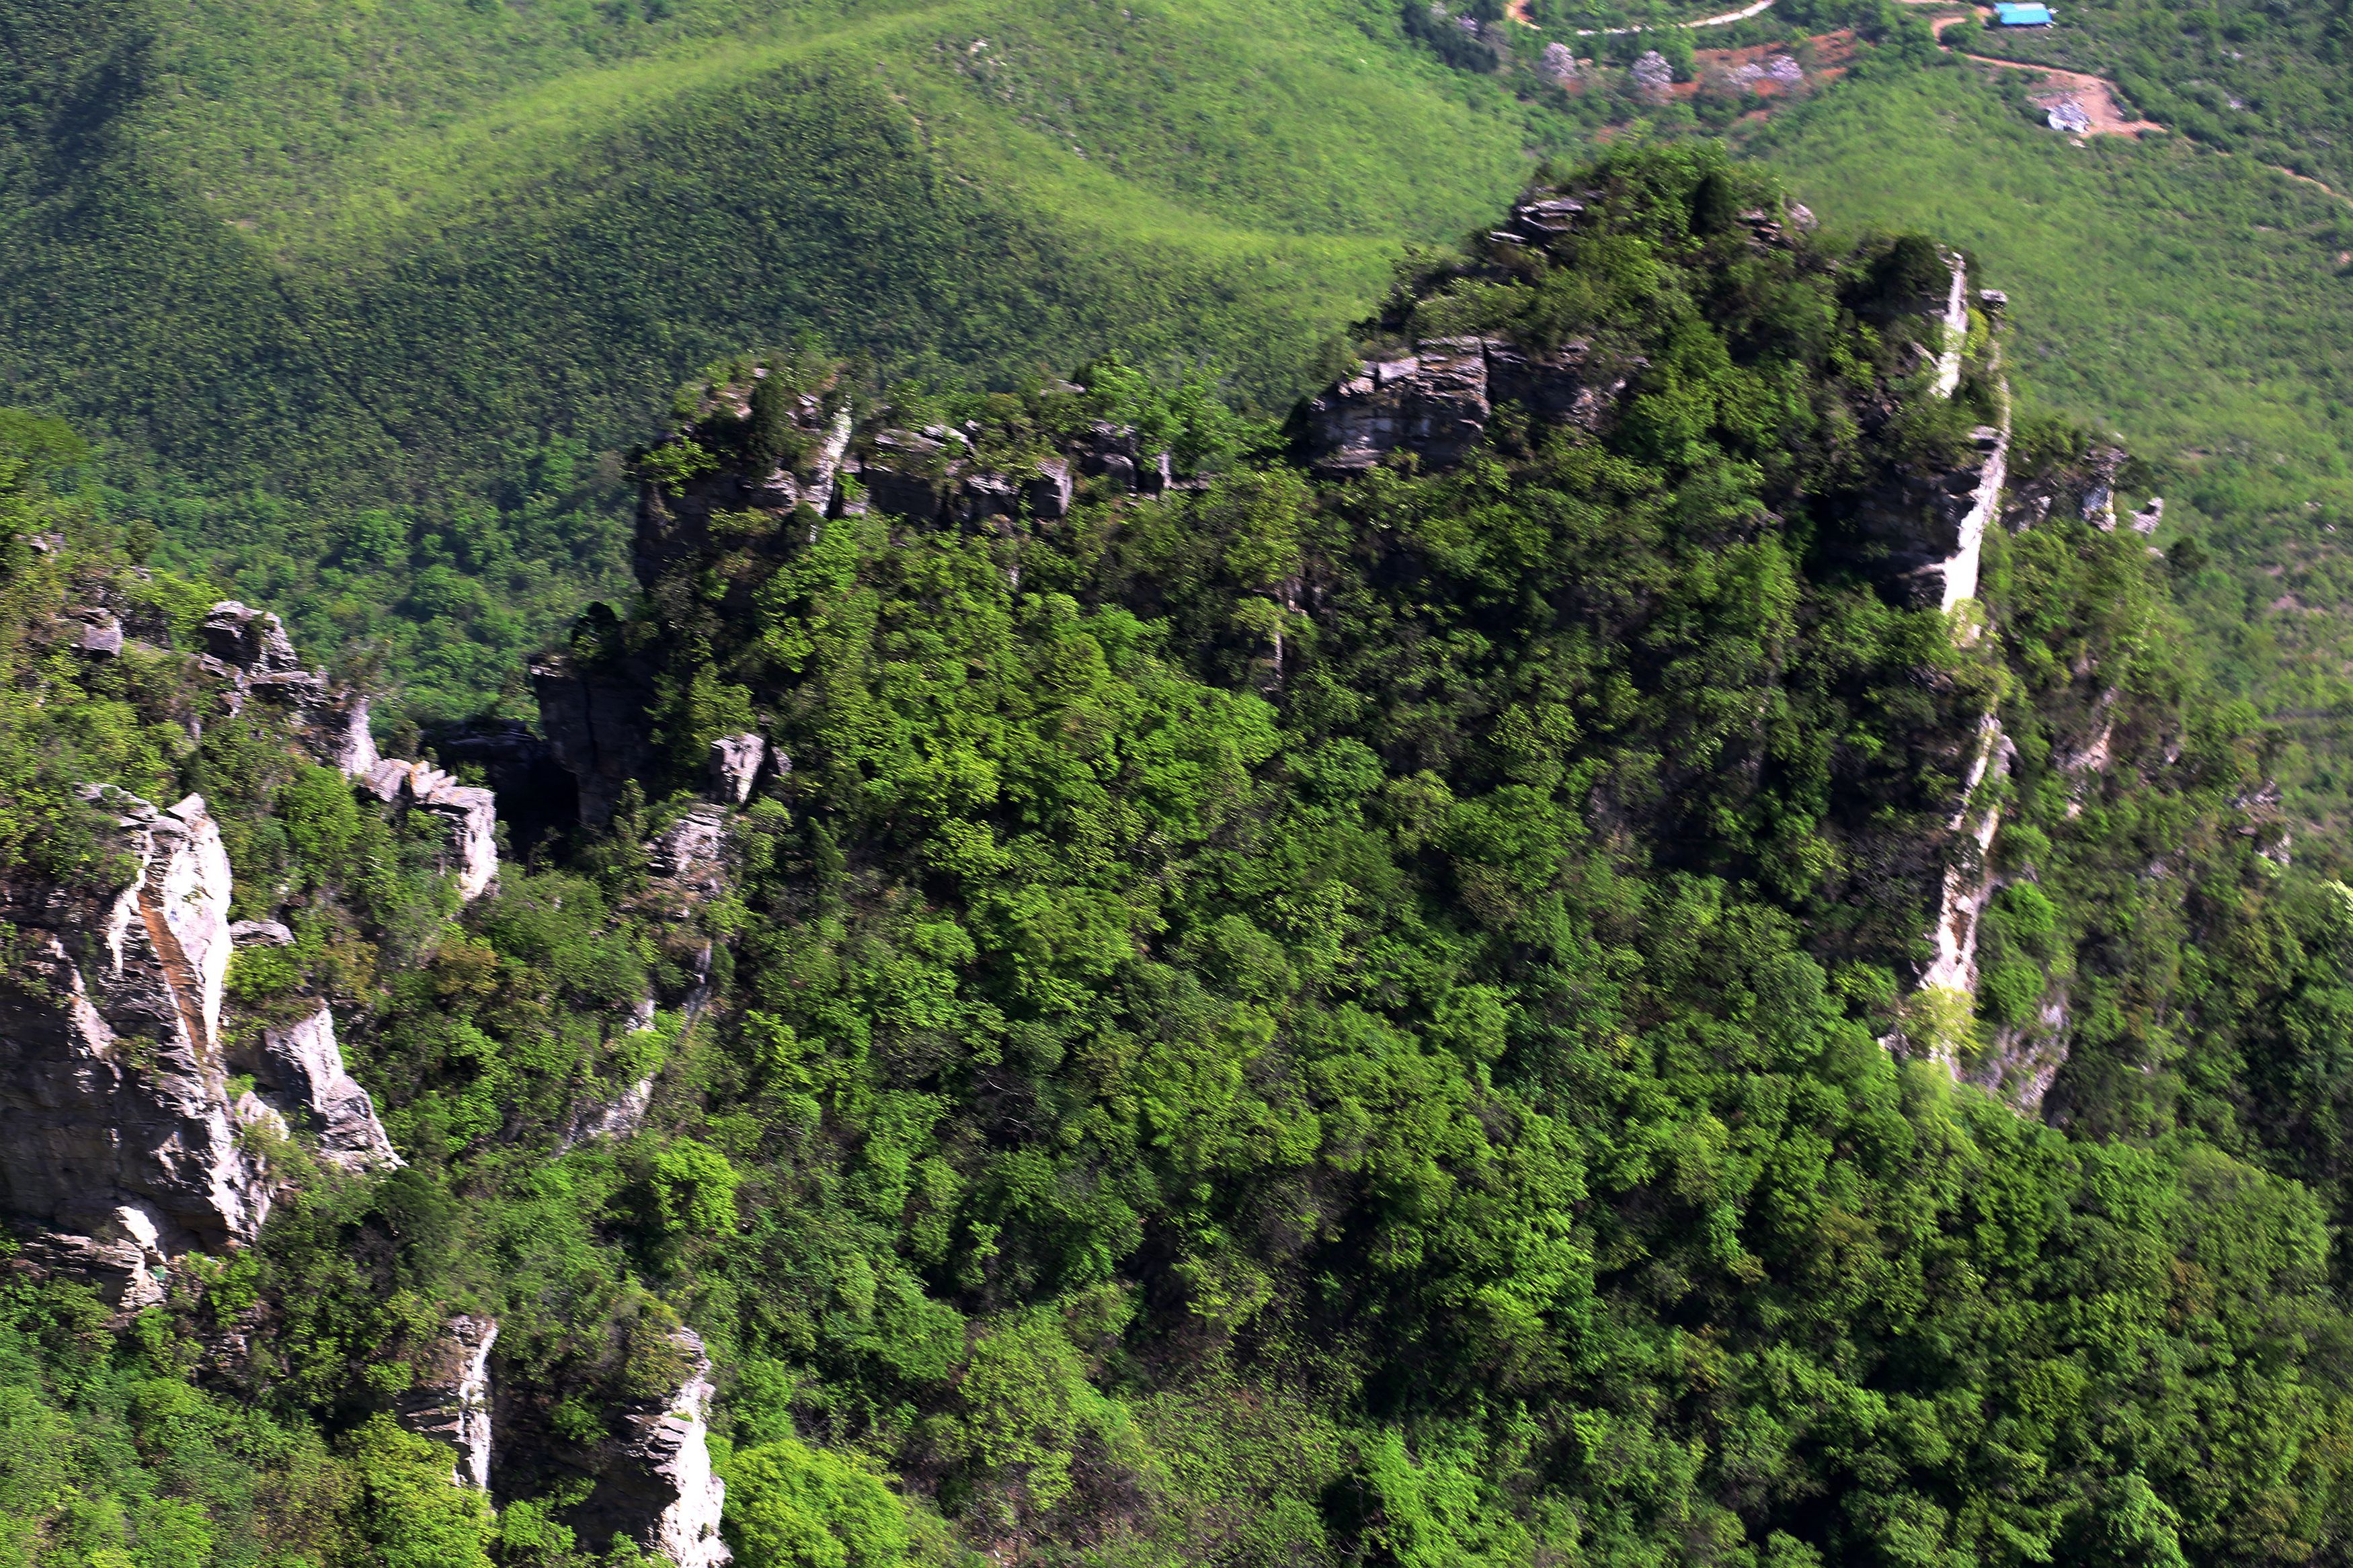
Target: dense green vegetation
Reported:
[(1310, 1022), (2197, 304), (349, 297), (2267, 80)]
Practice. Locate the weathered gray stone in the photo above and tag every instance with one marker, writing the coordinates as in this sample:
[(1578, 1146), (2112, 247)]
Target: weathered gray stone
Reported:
[(252, 640), (470, 812), (119, 1144), (734, 766), (1046, 493), (451, 1400), (1919, 534), (655, 1483), (985, 497), (617, 1117), (1433, 404), (249, 648), (299, 1074), (101, 633), (1559, 384), (692, 852), (909, 475), (261, 933), (596, 727)]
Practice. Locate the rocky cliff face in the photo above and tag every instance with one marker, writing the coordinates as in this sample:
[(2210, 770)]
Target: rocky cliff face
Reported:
[(249, 651), (1436, 403), (122, 1149), (655, 1485), (597, 730), (469, 816), (451, 1400), (298, 1074)]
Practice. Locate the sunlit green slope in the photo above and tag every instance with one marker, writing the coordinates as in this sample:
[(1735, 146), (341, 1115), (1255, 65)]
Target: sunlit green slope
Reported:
[(2198, 302), (295, 243)]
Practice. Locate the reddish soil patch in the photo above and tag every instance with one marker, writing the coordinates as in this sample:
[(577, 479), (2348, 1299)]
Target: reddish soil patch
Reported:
[(1727, 73)]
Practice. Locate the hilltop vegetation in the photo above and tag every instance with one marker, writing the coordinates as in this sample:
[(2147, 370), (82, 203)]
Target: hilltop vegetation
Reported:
[(2196, 303), (310, 244), (1303, 1020), (360, 305)]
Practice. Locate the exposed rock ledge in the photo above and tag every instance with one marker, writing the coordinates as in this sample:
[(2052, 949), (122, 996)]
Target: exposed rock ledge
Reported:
[(1437, 402), (123, 1149), (250, 648), (298, 1074), (121, 1145), (470, 813), (655, 1482), (451, 1404)]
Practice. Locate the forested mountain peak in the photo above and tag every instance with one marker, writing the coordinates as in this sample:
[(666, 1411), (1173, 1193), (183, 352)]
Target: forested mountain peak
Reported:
[(1626, 940)]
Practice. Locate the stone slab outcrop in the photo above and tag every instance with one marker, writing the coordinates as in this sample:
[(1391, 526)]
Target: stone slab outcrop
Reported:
[(298, 1073), (734, 765), (250, 648), (655, 1483), (123, 1147), (120, 1148), (470, 813), (451, 1400), (596, 729), (1437, 402)]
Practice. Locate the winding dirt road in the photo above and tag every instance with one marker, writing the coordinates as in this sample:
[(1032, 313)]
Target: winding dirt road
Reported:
[(1726, 19), (2094, 94)]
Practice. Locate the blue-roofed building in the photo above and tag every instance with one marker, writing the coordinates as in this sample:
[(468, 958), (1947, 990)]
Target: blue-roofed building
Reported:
[(2007, 15)]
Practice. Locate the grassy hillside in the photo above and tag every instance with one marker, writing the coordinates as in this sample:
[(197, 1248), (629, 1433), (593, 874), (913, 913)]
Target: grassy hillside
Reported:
[(2266, 80), (2196, 302), (278, 242), (286, 262)]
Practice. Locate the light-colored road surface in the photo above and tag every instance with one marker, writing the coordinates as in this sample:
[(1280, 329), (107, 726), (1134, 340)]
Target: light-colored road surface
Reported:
[(1758, 9)]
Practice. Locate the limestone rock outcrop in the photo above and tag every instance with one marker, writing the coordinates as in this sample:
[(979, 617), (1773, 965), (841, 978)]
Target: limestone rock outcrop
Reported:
[(596, 728), (736, 766), (689, 858), (120, 1148), (655, 1483), (250, 650), (451, 1400), (1433, 403), (470, 813), (298, 1073), (535, 794), (1921, 535), (1437, 402)]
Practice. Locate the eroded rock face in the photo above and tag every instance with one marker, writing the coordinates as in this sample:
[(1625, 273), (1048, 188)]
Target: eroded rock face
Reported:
[(298, 1073), (451, 1401), (1433, 404), (1920, 535), (596, 727), (689, 858), (535, 794), (619, 1119), (471, 814), (250, 648), (1436, 404), (655, 1484), (120, 1142), (736, 766)]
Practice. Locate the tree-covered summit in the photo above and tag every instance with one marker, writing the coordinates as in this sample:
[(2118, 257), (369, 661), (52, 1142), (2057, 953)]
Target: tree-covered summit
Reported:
[(1155, 994)]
